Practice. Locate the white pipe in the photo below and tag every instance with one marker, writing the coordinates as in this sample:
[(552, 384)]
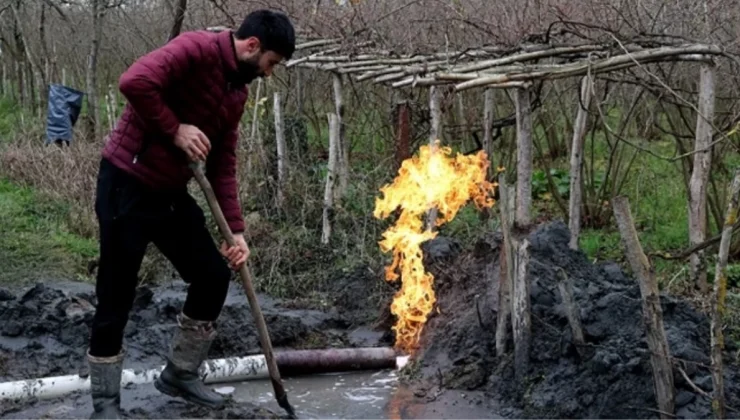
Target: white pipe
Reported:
[(217, 370), (233, 369)]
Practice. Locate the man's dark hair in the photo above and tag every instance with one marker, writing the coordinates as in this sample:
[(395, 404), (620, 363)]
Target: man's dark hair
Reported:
[(272, 28)]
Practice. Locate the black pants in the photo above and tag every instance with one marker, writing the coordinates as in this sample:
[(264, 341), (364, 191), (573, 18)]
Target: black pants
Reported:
[(131, 216)]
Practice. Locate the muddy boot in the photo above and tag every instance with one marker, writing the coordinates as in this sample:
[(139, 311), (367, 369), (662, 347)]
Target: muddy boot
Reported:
[(105, 386), (189, 348)]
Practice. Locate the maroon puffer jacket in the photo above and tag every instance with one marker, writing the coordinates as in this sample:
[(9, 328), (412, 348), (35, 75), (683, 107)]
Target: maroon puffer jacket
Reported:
[(190, 80)]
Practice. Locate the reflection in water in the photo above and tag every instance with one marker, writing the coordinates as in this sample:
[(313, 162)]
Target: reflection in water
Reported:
[(402, 405), (348, 395)]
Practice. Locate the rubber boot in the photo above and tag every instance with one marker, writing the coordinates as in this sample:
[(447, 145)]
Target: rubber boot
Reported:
[(105, 386), (189, 349)]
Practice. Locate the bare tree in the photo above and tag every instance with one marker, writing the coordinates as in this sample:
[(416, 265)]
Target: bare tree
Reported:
[(97, 10)]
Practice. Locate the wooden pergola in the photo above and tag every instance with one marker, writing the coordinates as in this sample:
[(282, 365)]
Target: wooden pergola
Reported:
[(519, 68), (490, 67)]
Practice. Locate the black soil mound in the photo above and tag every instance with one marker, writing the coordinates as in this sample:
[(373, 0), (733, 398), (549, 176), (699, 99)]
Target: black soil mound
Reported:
[(44, 331), (612, 379)]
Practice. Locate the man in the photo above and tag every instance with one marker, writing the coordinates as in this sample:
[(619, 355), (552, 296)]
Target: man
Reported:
[(185, 101)]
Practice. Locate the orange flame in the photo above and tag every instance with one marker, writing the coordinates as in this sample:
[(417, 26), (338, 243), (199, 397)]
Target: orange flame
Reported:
[(431, 179)]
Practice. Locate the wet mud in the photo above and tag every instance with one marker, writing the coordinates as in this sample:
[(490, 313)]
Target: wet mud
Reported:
[(611, 379), (44, 331)]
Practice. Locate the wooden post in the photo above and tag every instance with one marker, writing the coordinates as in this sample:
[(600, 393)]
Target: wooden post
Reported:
[(718, 299), (565, 286), (403, 133), (435, 113), (660, 358), (343, 155), (255, 142), (576, 164), (700, 175), (521, 320), (435, 132), (113, 99), (488, 116), (506, 276), (282, 156), (109, 110), (524, 157), (463, 121), (330, 177)]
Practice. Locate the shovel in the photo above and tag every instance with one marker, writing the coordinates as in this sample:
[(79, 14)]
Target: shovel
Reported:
[(246, 276)]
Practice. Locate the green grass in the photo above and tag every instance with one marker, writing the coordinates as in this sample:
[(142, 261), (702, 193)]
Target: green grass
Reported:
[(10, 118), (35, 243), (658, 202)]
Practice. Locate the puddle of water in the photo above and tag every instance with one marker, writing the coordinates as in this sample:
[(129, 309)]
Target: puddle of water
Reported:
[(330, 396), (362, 395), (355, 395)]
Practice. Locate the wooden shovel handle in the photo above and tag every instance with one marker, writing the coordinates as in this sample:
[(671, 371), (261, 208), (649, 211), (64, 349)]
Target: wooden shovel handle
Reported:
[(246, 277)]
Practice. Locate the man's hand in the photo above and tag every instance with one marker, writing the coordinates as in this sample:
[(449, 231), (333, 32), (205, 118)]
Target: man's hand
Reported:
[(238, 254), (192, 141)]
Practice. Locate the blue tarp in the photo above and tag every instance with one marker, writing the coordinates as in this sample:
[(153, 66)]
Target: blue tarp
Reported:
[(65, 104)]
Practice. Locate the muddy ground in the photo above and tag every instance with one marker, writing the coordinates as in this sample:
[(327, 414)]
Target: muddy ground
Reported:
[(611, 380), (44, 331)]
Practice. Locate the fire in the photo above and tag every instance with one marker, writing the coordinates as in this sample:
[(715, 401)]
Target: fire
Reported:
[(432, 179)]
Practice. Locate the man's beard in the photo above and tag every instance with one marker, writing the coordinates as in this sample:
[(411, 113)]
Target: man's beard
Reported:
[(248, 70)]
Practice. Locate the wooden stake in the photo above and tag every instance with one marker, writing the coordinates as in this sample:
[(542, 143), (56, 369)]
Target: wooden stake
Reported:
[(330, 177), (435, 133), (113, 99), (343, 155), (522, 323), (435, 112), (463, 121), (718, 298), (255, 142), (565, 286), (403, 133), (700, 175), (524, 157), (282, 157), (660, 358), (506, 276), (488, 116), (576, 164), (109, 110)]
